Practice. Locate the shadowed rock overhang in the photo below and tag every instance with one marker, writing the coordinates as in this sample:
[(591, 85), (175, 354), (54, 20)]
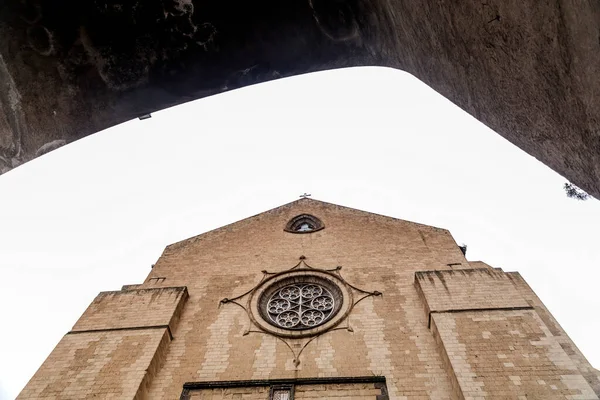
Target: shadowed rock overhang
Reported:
[(527, 69)]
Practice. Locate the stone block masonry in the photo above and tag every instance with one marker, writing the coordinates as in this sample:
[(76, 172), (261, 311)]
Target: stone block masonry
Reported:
[(444, 328)]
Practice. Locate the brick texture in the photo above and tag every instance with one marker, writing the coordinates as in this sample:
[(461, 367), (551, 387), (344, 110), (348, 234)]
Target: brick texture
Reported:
[(504, 354), (468, 289), (249, 393), (107, 365), (115, 348), (133, 308), (346, 391), (459, 356)]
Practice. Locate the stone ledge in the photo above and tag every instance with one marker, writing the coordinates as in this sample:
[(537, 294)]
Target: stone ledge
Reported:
[(133, 309), (467, 290)]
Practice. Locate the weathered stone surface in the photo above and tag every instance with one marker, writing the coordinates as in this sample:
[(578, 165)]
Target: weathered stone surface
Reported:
[(489, 336), (528, 69), (137, 308)]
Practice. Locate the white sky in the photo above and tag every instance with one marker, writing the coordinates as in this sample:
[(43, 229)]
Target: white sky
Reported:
[(95, 214)]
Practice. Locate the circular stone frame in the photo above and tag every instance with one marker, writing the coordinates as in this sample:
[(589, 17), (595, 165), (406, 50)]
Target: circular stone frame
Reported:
[(264, 291)]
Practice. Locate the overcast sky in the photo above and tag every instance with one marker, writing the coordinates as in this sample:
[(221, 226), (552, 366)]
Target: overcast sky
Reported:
[(95, 214)]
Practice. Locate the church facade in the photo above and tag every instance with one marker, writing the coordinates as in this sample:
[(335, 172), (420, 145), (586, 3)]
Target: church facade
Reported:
[(316, 301)]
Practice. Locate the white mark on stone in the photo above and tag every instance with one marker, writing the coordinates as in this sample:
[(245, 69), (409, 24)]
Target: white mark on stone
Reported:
[(216, 359), (378, 350), (578, 382), (265, 357), (353, 33), (418, 332), (178, 348), (184, 6), (48, 147), (11, 150), (446, 326), (326, 356), (49, 37), (554, 351)]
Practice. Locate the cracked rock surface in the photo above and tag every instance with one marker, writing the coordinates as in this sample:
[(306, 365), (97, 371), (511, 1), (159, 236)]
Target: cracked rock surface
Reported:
[(528, 69)]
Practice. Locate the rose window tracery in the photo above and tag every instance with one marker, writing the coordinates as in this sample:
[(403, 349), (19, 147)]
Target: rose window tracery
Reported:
[(300, 306)]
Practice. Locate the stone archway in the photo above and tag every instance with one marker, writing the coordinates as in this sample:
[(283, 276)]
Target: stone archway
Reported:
[(527, 69)]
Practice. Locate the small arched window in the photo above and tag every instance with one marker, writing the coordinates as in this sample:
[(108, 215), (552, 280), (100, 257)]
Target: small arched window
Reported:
[(304, 223)]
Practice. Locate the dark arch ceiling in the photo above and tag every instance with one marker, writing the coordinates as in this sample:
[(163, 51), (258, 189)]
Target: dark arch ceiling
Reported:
[(529, 69)]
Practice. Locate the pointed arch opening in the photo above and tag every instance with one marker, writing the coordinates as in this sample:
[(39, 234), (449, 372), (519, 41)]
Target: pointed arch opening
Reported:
[(304, 223)]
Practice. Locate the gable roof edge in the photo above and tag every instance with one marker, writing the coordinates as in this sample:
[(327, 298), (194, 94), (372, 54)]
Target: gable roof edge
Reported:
[(192, 238)]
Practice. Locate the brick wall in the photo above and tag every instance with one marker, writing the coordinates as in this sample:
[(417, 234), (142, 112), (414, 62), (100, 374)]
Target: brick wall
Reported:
[(247, 393), (133, 309), (387, 335), (107, 365), (507, 354), (468, 289), (115, 348), (342, 391), (349, 391), (591, 375), (493, 341)]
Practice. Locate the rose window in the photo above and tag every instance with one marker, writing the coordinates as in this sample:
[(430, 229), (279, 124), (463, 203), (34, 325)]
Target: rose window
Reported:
[(301, 306)]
